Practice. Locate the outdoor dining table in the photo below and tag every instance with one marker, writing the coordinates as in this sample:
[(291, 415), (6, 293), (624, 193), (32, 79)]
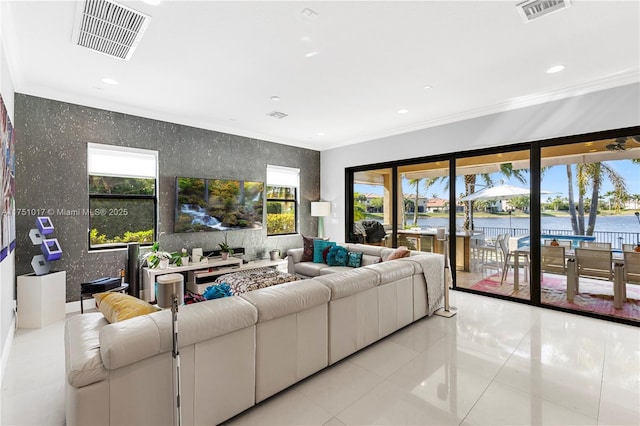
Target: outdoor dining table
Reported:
[(619, 288)]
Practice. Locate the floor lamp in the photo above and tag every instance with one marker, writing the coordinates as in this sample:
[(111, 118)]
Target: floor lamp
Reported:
[(320, 209), (171, 294), (448, 311)]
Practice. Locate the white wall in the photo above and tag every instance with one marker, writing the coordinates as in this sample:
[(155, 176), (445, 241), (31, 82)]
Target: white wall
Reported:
[(7, 266), (604, 110)]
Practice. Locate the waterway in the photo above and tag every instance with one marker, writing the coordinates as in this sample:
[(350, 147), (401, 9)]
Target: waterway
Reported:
[(618, 223)]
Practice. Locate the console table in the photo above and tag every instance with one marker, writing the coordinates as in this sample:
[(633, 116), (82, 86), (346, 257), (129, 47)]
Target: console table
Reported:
[(212, 269)]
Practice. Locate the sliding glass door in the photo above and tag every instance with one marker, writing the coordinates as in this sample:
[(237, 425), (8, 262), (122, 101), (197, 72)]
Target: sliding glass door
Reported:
[(589, 219), (571, 247), (492, 223), (372, 207), (423, 205)]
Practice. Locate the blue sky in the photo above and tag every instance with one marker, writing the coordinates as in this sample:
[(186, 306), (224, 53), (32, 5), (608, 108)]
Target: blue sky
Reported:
[(554, 180)]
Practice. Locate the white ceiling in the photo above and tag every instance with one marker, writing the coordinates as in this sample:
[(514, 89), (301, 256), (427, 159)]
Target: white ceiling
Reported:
[(216, 64)]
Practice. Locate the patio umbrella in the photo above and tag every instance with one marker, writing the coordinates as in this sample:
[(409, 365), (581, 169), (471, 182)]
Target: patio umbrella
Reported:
[(500, 192)]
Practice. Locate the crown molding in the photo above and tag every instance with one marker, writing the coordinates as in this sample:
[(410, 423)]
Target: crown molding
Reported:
[(614, 80)]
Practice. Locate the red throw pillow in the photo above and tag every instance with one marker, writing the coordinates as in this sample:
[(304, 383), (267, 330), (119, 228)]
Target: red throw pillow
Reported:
[(325, 252), (307, 252), (399, 253)]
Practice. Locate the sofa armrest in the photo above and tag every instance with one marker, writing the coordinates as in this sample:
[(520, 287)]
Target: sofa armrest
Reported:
[(294, 256)]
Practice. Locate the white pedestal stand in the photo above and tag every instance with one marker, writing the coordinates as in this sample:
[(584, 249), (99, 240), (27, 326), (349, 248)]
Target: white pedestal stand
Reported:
[(41, 299)]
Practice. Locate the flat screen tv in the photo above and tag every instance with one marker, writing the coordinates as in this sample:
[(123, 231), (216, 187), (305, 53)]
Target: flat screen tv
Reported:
[(207, 205)]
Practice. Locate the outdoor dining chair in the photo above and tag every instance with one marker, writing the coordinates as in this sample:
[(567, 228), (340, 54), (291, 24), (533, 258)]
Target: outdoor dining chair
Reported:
[(594, 263), (491, 255), (507, 255), (595, 245), (552, 260), (632, 267)]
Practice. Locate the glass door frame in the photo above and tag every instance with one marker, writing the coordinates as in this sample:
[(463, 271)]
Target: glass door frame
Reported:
[(535, 149)]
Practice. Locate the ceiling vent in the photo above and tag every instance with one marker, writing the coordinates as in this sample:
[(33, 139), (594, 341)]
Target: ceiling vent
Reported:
[(278, 114), (533, 9), (109, 28)]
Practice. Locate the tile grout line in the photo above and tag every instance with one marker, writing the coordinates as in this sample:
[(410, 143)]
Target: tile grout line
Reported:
[(496, 375)]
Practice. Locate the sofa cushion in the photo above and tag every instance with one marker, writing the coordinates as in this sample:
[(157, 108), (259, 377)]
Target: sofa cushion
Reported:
[(126, 342), (309, 269), (367, 259), (82, 350), (318, 248), (333, 269), (288, 298), (392, 271), (349, 282)]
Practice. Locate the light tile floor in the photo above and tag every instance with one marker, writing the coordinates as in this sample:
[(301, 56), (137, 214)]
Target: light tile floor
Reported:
[(495, 363)]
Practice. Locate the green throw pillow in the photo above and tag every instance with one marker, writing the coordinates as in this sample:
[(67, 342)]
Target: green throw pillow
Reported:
[(318, 248)]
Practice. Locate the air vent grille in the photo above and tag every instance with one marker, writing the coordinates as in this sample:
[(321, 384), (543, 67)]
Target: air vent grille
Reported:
[(109, 28), (278, 114), (532, 9)]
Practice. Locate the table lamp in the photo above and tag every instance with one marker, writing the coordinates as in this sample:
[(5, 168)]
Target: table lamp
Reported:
[(320, 209)]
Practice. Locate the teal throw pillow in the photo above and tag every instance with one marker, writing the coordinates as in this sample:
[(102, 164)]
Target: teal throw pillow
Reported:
[(318, 248), (337, 256), (355, 259)]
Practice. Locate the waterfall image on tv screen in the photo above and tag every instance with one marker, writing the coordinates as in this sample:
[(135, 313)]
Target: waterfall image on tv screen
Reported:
[(205, 205)]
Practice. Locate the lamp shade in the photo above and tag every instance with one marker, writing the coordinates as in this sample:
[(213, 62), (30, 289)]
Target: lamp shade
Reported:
[(320, 208)]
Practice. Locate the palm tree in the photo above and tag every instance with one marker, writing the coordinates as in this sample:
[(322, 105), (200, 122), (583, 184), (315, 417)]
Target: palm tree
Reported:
[(416, 183), (591, 175)]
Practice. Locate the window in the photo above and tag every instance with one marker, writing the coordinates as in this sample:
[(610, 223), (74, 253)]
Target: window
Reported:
[(122, 195), (282, 200)]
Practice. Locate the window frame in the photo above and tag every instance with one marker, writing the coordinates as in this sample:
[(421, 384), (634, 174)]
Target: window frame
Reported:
[(128, 197), (280, 170)]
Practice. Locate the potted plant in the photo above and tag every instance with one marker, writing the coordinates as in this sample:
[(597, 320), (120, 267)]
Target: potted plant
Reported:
[(163, 259), (225, 250), (156, 258), (184, 257)]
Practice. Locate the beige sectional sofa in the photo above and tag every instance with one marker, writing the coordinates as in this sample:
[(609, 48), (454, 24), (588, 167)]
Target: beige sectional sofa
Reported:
[(239, 350)]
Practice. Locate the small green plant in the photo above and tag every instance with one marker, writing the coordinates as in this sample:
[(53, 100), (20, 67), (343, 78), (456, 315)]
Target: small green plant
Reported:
[(224, 248), (154, 257)]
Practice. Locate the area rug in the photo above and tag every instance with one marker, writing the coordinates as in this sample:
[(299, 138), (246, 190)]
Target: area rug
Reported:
[(595, 296)]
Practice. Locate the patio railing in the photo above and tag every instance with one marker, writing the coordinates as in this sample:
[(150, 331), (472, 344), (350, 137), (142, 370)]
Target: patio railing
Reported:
[(615, 238)]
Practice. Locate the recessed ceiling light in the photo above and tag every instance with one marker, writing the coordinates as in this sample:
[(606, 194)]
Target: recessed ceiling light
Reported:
[(427, 87), (311, 54), (275, 98), (403, 111), (110, 81), (153, 2), (320, 134), (306, 39), (554, 69)]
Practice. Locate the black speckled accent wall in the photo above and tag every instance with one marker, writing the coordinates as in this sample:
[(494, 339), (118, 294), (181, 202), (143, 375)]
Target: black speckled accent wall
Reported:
[(51, 176)]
